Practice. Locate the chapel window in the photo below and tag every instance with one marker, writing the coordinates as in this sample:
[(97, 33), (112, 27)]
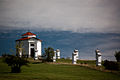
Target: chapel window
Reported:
[(32, 44)]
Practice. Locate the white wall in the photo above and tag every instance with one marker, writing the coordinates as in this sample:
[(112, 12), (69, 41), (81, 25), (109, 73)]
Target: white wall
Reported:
[(39, 46), (27, 46)]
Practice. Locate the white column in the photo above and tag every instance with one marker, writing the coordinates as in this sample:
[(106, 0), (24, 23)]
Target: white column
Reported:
[(36, 54), (58, 53), (29, 55), (98, 58), (54, 57), (74, 56)]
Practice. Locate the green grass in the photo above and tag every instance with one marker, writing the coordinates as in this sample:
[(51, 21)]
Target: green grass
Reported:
[(64, 60), (43, 71)]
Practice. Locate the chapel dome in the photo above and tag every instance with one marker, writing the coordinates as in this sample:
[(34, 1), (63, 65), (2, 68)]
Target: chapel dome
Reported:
[(29, 34)]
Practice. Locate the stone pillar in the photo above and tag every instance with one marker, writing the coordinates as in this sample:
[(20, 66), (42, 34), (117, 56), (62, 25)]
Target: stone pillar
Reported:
[(29, 55), (77, 56), (36, 54), (98, 57), (54, 57), (58, 53), (74, 56)]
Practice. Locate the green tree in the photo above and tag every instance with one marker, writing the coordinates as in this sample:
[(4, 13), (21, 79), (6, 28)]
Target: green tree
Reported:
[(111, 65), (19, 50), (15, 62), (49, 52), (117, 56)]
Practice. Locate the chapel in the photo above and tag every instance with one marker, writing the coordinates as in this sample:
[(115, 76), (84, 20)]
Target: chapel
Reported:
[(30, 45)]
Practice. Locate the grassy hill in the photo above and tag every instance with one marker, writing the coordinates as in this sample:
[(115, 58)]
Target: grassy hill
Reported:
[(44, 71)]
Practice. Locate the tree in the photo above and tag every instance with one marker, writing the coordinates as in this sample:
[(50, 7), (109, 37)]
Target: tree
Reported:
[(111, 65), (117, 56), (15, 62), (19, 49), (49, 52)]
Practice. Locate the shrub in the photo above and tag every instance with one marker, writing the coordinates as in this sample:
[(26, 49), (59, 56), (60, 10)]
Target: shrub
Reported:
[(49, 52), (111, 65), (117, 56), (15, 62)]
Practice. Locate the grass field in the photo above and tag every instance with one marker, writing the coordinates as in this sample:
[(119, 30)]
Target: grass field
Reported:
[(44, 71)]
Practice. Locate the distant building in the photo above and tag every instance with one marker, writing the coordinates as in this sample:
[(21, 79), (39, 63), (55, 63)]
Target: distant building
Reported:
[(31, 46)]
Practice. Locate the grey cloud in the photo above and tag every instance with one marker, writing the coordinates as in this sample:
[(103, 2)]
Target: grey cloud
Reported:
[(65, 15)]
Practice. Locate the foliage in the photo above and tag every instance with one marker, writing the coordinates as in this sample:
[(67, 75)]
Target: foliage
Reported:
[(111, 65), (19, 48), (15, 62), (49, 52), (117, 56)]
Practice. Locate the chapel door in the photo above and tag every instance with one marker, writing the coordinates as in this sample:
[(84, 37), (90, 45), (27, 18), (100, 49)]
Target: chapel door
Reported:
[(32, 52)]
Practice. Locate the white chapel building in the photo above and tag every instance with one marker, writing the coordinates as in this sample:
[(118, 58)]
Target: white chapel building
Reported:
[(30, 45)]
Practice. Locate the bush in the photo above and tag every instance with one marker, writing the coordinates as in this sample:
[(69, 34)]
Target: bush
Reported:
[(111, 65), (15, 62), (49, 52), (117, 56)]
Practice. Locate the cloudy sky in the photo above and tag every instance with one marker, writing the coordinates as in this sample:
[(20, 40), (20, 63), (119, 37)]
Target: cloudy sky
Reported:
[(62, 15), (65, 24)]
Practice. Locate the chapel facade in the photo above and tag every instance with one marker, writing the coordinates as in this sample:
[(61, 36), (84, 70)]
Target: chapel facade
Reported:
[(30, 45)]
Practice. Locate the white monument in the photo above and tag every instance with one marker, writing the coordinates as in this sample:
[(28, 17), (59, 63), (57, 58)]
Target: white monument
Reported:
[(77, 56), (58, 53), (54, 57), (74, 57), (31, 46), (98, 57)]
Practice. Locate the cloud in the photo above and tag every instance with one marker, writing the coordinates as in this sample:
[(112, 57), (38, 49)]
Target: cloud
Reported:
[(86, 43), (63, 15), (67, 41)]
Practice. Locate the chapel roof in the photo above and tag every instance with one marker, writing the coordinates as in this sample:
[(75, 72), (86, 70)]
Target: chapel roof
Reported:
[(28, 33), (27, 38)]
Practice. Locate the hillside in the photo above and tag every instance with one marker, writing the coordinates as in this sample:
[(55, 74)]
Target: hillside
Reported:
[(44, 71)]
